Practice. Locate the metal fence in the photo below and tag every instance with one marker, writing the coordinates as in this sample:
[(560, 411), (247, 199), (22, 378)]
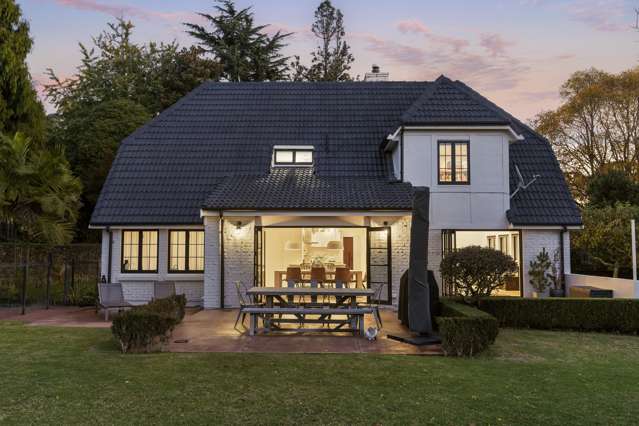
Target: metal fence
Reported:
[(32, 274)]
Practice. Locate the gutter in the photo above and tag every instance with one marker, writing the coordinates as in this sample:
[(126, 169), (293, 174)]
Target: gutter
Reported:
[(110, 265), (562, 269), (221, 260)]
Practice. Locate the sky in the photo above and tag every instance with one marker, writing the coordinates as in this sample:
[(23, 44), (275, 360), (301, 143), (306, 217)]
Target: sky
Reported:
[(515, 52)]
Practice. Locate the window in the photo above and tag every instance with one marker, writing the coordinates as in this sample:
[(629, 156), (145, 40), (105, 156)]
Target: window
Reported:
[(293, 156), (503, 243), (515, 240), (186, 251), (454, 162), (139, 251), (492, 243)]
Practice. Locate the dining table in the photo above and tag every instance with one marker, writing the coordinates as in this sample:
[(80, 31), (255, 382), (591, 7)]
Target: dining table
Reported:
[(356, 276)]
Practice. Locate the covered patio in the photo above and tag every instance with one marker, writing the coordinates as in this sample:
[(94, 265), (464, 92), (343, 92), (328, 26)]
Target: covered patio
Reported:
[(212, 331)]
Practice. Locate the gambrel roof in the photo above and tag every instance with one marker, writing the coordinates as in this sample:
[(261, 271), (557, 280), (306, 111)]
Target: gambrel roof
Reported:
[(213, 149)]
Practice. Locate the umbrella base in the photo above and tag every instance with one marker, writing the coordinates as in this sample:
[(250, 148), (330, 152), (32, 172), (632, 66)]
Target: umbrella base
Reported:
[(416, 339)]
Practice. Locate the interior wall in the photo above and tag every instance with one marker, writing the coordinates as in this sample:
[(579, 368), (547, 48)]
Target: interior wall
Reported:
[(278, 257)]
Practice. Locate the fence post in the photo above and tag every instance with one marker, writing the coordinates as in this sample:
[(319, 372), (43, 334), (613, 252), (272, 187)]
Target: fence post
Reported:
[(49, 268), (24, 288), (633, 233), (65, 298)]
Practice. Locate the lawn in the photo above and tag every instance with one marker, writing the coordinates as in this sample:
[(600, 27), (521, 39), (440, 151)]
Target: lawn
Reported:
[(71, 376)]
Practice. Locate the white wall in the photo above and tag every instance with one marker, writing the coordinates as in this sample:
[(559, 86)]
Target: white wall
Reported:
[(480, 205), (622, 288), (534, 241), (138, 288)]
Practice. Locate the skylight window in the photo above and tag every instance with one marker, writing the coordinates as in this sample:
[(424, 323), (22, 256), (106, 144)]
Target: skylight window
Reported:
[(292, 156)]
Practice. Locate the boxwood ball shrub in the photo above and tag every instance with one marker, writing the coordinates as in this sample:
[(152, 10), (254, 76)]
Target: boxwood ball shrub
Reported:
[(609, 315), (147, 328), (477, 271), (465, 330)]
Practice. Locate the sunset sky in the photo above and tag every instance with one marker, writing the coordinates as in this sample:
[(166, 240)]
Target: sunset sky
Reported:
[(516, 52)]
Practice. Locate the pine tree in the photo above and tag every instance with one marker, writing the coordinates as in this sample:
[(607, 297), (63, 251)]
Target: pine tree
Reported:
[(332, 59), (246, 52), (20, 109)]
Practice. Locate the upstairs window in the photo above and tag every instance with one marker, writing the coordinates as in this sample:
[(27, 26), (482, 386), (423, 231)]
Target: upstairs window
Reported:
[(186, 251), (293, 156), (139, 251), (454, 163)]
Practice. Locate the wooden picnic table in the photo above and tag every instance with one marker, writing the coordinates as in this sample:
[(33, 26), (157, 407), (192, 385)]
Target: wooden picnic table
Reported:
[(345, 301)]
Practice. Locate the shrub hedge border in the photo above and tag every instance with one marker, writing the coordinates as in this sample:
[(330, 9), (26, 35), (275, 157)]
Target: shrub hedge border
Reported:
[(465, 330), (146, 328), (606, 315)]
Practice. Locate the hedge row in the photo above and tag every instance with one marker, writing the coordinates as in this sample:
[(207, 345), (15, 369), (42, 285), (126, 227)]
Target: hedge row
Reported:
[(147, 328), (464, 330), (610, 315)]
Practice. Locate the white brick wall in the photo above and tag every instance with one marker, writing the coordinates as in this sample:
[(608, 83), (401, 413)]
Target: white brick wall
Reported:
[(533, 243), (400, 248), (239, 256), (211, 290)]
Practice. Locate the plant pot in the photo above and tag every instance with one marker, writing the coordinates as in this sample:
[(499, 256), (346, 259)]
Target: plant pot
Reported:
[(559, 292)]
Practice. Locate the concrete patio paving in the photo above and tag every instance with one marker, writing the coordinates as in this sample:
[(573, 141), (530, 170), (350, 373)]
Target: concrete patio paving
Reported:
[(212, 331)]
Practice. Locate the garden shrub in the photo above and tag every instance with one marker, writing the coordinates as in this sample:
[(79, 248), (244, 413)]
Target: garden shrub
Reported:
[(610, 315), (464, 330), (147, 328), (477, 271)]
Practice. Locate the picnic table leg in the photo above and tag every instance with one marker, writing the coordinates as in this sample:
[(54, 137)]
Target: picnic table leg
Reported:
[(253, 325), (361, 325)]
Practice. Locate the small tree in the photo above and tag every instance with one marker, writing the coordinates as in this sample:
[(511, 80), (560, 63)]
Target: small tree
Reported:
[(477, 271), (540, 278)]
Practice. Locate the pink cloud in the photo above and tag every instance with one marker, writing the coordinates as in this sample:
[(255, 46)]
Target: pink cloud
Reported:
[(494, 44), (122, 10), (413, 26), (602, 15)]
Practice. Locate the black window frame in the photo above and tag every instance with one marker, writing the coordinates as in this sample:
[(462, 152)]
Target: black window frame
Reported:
[(140, 244), (294, 163), (187, 265), (453, 144)]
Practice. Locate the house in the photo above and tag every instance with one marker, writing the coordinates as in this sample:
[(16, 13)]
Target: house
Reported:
[(239, 181)]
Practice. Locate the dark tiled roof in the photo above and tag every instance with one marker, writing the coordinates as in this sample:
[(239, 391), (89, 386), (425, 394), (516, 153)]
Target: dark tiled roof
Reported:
[(214, 148), (444, 104), (302, 189)]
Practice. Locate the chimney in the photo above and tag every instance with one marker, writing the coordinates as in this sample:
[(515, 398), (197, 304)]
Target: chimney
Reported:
[(375, 74)]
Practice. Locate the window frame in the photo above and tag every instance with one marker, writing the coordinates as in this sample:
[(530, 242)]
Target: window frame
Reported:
[(140, 244), (492, 242), (504, 248), (187, 265), (453, 144), (294, 151)]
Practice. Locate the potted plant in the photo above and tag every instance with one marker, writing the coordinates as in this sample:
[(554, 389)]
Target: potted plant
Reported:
[(556, 289), (539, 277)]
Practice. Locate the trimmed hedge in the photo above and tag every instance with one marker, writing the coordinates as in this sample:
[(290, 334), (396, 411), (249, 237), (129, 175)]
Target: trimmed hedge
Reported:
[(610, 315), (464, 330), (146, 328)]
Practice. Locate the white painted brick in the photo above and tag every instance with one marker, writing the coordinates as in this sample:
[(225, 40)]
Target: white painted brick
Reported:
[(239, 257), (533, 243), (211, 290)]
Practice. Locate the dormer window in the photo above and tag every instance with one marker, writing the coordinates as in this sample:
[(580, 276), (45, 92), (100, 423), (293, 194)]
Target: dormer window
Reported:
[(292, 156)]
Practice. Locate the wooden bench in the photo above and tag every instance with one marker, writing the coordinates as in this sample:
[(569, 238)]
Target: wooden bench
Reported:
[(355, 317)]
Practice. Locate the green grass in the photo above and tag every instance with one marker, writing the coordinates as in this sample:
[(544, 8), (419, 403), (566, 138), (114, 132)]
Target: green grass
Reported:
[(77, 376)]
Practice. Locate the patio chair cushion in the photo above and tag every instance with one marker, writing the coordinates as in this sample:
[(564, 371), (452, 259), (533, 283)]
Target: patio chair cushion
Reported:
[(163, 289), (111, 295)]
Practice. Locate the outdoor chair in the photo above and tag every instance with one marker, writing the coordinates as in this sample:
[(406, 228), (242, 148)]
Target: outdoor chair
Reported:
[(163, 289), (375, 305), (110, 296), (245, 301)]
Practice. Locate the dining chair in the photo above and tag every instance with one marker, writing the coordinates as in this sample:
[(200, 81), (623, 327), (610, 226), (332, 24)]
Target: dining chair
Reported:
[(293, 275), (375, 305), (343, 277), (318, 278)]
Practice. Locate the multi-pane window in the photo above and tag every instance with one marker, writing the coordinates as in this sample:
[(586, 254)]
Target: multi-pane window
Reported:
[(503, 243), (139, 251), (186, 251), (293, 157), (453, 162), (492, 242), (515, 241)]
